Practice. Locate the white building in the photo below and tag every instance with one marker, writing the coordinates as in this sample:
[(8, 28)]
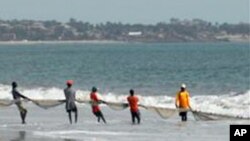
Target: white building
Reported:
[(135, 33)]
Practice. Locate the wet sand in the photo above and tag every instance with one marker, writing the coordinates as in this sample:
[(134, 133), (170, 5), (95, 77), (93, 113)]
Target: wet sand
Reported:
[(52, 125)]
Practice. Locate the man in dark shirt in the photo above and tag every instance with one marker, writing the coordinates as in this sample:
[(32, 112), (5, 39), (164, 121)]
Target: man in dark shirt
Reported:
[(70, 100), (17, 97)]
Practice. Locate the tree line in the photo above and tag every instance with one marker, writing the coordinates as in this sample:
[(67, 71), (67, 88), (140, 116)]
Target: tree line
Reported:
[(173, 31)]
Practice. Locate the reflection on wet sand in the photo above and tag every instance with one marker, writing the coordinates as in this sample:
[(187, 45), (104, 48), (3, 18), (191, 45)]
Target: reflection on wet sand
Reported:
[(20, 137), (69, 140)]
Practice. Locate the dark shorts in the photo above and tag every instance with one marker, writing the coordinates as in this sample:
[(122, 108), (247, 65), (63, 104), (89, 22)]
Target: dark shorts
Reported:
[(98, 114), (71, 106), (136, 113), (74, 109), (183, 113)]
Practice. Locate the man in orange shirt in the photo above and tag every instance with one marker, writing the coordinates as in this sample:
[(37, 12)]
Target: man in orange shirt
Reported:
[(95, 105), (133, 103), (182, 102)]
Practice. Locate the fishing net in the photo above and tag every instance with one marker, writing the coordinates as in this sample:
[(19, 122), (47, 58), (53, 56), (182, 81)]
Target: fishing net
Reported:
[(83, 101), (46, 104), (162, 112), (116, 106), (204, 116), (5, 103)]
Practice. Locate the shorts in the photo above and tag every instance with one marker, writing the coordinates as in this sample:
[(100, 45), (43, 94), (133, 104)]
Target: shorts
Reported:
[(20, 107), (98, 114), (71, 107), (73, 110), (183, 113)]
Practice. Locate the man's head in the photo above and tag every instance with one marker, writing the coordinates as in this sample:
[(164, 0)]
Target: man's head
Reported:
[(14, 84), (69, 83), (183, 87), (94, 89), (131, 92)]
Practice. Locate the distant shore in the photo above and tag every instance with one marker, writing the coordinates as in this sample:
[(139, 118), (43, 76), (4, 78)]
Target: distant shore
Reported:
[(235, 38), (23, 42), (60, 42), (74, 31)]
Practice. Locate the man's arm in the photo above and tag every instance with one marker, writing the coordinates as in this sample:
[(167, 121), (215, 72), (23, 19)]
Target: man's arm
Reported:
[(22, 96), (177, 100), (188, 101)]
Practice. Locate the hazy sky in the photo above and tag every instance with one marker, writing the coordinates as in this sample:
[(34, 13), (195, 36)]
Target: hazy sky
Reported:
[(126, 11)]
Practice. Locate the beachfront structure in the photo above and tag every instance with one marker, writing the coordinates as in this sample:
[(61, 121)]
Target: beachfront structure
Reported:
[(135, 33)]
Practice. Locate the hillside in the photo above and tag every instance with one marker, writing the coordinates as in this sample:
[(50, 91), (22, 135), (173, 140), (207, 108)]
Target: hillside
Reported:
[(175, 30)]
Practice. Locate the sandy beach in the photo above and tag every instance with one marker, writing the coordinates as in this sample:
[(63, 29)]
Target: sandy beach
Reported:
[(26, 42), (52, 125), (232, 39)]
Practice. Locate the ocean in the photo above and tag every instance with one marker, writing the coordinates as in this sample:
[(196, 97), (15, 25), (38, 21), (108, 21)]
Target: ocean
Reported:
[(150, 69), (217, 76)]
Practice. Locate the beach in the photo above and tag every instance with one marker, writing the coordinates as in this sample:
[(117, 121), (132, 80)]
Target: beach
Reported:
[(53, 125), (26, 42)]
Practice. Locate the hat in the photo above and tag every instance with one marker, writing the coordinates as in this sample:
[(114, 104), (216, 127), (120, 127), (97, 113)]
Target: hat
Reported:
[(69, 82), (183, 86)]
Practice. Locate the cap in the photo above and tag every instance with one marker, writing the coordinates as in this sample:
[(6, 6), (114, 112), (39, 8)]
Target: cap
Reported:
[(183, 86), (69, 82)]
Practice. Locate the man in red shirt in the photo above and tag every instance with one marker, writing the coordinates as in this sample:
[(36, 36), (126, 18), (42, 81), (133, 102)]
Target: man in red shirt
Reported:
[(133, 103), (95, 101)]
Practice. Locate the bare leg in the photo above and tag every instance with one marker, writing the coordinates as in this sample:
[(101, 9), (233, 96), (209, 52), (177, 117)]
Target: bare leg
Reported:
[(137, 115), (23, 115), (76, 115), (98, 118), (133, 117), (103, 119), (70, 120)]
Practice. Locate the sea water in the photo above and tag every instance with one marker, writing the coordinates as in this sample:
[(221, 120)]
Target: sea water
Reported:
[(150, 69), (217, 76)]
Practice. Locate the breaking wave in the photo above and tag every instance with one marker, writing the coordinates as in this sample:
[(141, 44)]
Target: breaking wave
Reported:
[(228, 104)]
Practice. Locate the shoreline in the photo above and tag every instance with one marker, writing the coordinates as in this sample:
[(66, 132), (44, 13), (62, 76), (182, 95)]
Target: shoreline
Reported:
[(54, 126), (26, 42)]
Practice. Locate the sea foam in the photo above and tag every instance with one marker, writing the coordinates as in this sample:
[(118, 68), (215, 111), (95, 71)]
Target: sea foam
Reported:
[(228, 104)]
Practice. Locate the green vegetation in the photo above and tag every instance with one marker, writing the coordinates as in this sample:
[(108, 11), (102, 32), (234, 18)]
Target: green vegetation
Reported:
[(175, 30)]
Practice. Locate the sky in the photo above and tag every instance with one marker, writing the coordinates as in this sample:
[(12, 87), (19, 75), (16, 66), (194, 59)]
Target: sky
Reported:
[(126, 11)]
